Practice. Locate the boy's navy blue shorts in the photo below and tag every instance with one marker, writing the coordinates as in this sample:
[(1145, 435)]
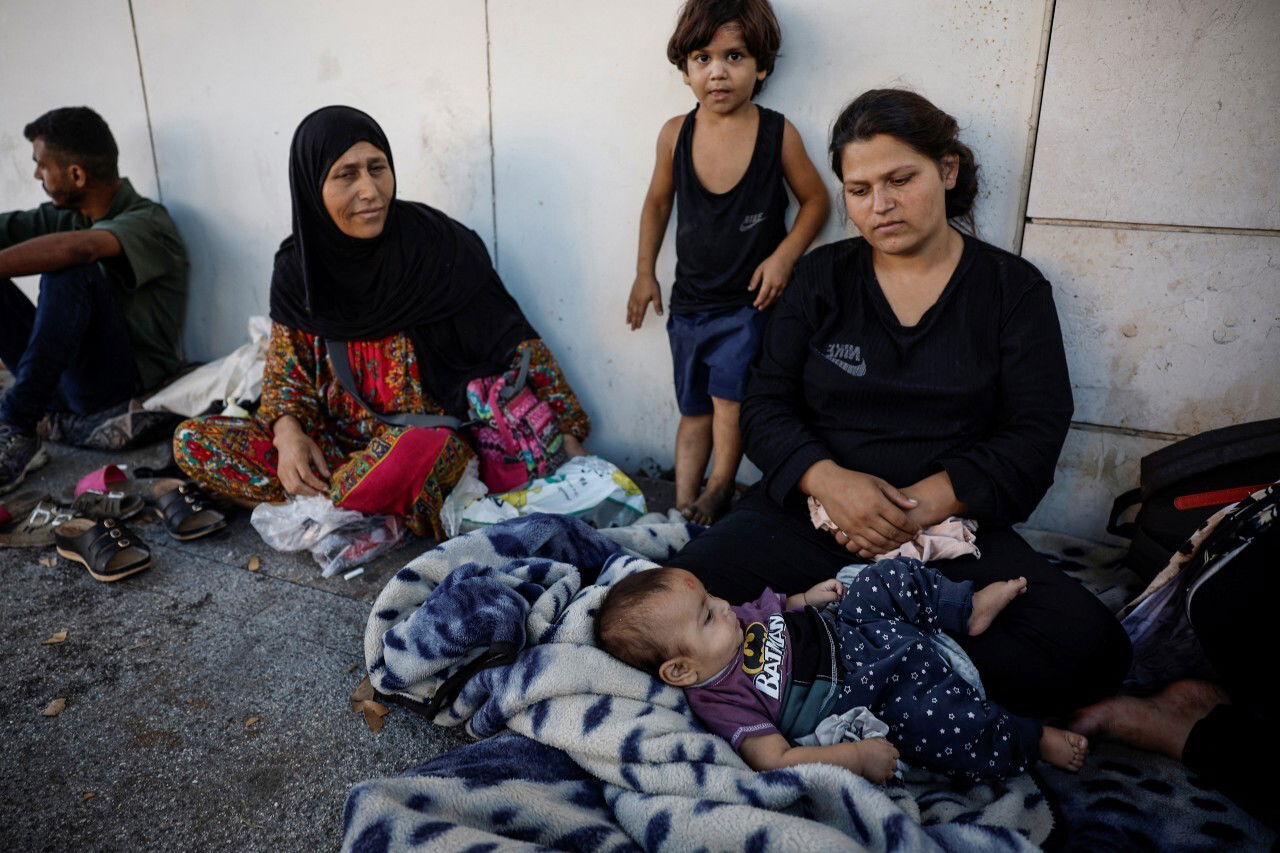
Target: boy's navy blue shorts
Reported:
[(712, 353)]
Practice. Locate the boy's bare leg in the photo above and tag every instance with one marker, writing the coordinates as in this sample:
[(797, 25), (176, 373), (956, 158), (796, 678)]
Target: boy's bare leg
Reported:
[(693, 449), (727, 450)]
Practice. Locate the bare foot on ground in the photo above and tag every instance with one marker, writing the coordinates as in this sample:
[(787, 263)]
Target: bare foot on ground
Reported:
[(710, 506), (1063, 749), (1159, 723), (990, 600)]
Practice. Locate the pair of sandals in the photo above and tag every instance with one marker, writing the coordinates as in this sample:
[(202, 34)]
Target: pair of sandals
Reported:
[(91, 532), (110, 551)]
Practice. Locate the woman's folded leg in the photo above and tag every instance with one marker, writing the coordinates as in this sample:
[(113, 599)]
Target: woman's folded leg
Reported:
[(1056, 647), (229, 456), (760, 545), (406, 471)]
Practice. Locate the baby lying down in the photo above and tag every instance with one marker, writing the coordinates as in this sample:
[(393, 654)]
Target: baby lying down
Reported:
[(766, 673)]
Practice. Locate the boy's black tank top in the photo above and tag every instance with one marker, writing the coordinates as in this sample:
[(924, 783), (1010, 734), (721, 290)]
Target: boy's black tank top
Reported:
[(722, 237)]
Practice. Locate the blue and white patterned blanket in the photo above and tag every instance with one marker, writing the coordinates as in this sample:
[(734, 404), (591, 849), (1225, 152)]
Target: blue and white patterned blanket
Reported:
[(588, 753)]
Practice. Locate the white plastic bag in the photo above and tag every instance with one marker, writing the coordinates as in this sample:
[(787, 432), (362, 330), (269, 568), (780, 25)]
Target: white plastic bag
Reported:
[(469, 489), (236, 376), (588, 487), (338, 539)]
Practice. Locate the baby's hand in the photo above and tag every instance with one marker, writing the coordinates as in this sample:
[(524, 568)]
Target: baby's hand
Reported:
[(877, 759), (824, 593)]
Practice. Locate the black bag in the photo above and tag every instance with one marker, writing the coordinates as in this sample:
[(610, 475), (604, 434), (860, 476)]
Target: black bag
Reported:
[(1185, 483)]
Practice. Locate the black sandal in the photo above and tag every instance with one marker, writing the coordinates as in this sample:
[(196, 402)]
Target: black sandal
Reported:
[(108, 549), (184, 509)]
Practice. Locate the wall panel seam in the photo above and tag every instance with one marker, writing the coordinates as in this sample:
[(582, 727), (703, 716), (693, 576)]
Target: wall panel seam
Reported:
[(146, 104), (493, 169), (1151, 226), (1086, 426), (1028, 168)]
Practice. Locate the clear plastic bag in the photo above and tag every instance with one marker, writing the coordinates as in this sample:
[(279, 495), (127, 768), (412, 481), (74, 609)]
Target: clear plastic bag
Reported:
[(338, 539), (355, 545)]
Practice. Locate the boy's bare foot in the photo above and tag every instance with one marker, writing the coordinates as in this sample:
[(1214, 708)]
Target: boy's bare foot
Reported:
[(1159, 723), (1063, 749), (710, 506), (990, 600)]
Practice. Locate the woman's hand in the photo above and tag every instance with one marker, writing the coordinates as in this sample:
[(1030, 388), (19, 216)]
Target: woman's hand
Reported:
[(572, 446), (868, 512), (299, 459), (644, 290)]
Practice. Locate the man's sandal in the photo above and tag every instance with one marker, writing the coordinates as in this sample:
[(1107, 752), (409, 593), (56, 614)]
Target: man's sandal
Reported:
[(14, 507), (185, 509), (109, 550), (36, 530)]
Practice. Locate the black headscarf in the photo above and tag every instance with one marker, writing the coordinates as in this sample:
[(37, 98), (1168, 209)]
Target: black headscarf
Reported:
[(425, 274)]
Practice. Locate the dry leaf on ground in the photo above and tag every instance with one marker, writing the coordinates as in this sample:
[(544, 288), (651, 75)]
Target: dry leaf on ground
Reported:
[(48, 562), (362, 702), (249, 723), (54, 708), (363, 691), (88, 795), (373, 714), (254, 563), (60, 637)]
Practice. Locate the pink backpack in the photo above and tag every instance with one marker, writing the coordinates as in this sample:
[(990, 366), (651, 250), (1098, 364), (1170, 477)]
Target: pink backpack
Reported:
[(516, 434)]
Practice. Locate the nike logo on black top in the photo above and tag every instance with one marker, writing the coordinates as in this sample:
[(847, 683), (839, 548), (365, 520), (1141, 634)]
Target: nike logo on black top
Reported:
[(847, 357)]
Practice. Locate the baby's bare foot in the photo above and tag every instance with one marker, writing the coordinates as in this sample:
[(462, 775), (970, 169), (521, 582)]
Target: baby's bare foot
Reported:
[(1159, 723), (710, 505), (1063, 749), (990, 600)]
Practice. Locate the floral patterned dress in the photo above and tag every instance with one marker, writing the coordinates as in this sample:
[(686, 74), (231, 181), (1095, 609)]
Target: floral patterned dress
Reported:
[(377, 468)]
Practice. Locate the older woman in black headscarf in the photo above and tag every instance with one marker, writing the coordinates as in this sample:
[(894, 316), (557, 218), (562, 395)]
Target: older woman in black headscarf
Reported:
[(418, 310)]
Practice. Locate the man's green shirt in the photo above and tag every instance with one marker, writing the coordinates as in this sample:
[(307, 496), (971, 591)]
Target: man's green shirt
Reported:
[(150, 278)]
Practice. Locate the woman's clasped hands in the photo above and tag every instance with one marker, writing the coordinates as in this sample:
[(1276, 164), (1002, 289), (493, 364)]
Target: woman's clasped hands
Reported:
[(871, 515)]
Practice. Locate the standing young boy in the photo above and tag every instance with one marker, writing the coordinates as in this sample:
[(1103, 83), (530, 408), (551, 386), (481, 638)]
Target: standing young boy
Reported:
[(725, 164)]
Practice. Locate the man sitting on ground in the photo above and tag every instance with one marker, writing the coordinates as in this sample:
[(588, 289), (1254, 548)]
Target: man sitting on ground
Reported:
[(113, 288)]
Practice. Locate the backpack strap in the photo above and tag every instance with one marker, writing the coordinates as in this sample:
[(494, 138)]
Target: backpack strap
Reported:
[(337, 351), (1122, 503), (522, 377)]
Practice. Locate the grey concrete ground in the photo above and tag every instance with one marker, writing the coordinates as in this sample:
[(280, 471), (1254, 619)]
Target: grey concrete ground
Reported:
[(207, 705)]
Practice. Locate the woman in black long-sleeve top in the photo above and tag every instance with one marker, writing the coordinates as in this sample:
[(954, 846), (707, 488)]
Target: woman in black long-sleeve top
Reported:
[(907, 376)]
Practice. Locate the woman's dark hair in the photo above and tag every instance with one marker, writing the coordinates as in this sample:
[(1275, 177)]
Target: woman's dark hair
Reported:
[(78, 135), (699, 20), (913, 120)]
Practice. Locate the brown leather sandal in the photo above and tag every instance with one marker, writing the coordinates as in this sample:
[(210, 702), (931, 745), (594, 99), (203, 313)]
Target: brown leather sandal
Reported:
[(108, 549), (36, 530)]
